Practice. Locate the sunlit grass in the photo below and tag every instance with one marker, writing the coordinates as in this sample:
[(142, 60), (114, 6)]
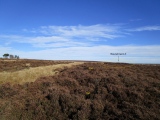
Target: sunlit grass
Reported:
[(31, 74)]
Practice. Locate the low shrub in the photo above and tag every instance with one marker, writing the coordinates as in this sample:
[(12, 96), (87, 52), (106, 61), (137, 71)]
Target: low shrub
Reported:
[(109, 91)]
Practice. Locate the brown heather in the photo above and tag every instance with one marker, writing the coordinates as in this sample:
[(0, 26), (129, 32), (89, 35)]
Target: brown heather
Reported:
[(90, 91)]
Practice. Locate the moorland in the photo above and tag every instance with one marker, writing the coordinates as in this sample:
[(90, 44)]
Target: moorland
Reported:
[(76, 90)]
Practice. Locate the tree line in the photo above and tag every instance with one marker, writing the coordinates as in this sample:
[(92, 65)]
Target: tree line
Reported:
[(6, 55)]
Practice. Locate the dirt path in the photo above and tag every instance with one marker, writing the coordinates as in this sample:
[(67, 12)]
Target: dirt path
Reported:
[(31, 74)]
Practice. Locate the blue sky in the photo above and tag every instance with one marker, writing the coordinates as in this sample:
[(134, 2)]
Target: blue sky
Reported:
[(81, 29)]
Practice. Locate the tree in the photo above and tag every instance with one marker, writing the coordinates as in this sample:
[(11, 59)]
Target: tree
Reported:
[(11, 56), (6, 55), (16, 56)]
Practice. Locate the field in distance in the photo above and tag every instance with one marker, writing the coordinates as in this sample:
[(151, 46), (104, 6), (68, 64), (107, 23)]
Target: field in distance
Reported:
[(78, 90)]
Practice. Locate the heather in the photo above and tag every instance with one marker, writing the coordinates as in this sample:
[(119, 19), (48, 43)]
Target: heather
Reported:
[(90, 91)]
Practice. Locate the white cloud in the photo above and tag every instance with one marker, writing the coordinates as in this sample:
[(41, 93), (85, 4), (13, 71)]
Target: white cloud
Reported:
[(105, 31), (135, 54), (80, 43), (67, 36), (146, 28)]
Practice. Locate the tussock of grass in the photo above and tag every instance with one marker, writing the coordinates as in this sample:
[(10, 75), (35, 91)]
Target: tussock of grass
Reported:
[(31, 74)]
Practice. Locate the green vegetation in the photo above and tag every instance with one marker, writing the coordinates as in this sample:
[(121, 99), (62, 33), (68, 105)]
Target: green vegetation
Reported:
[(6, 55)]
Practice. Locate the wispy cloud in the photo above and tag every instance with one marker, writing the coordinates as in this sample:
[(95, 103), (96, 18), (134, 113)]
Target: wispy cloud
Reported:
[(103, 31), (135, 20), (67, 36), (79, 43), (145, 28)]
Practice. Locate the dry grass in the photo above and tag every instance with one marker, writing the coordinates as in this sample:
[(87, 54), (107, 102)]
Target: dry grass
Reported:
[(31, 74), (9, 60)]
